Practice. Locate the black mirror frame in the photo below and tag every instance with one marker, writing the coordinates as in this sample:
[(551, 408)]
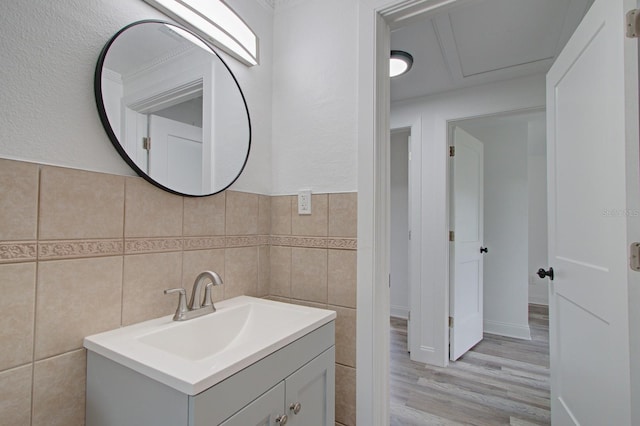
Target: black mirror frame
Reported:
[(97, 88)]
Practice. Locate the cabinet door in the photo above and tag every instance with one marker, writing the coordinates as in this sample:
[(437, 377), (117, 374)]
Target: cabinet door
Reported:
[(261, 412), (313, 388)]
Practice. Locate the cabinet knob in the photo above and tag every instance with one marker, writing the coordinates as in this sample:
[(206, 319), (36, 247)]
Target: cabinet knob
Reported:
[(282, 420), (295, 407)]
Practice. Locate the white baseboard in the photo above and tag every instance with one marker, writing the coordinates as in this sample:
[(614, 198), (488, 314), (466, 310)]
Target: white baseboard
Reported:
[(399, 312), (538, 300), (507, 329)]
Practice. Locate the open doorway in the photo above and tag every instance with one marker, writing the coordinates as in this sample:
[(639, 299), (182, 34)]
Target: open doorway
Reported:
[(513, 223)]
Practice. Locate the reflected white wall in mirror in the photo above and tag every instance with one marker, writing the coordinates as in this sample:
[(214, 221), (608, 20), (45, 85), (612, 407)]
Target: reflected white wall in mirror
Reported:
[(173, 109)]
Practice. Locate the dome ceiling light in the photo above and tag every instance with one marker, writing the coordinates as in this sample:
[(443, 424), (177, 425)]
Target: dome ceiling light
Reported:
[(399, 63)]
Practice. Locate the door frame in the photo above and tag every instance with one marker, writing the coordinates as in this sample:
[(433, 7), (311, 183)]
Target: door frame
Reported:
[(375, 18)]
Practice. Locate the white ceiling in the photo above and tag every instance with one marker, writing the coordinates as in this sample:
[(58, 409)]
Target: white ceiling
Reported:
[(483, 41)]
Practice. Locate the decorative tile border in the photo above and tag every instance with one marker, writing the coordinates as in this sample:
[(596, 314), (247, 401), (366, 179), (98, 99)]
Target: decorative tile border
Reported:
[(342, 243), (203, 243), (25, 251), (314, 242), (152, 245), (48, 250), (18, 251), (247, 240)]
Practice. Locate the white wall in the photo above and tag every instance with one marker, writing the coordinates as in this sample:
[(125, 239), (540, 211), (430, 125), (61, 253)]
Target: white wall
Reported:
[(433, 113), (47, 110), (314, 112), (506, 225), (399, 197), (538, 235)]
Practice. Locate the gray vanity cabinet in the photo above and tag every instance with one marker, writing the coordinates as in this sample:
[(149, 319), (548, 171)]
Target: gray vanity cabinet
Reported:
[(301, 372), (306, 398)]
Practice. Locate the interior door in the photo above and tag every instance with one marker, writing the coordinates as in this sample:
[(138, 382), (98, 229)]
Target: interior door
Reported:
[(465, 257), (175, 157), (587, 127)]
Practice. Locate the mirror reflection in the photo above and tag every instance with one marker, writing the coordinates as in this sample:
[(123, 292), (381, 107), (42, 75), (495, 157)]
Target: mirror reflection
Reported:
[(172, 108)]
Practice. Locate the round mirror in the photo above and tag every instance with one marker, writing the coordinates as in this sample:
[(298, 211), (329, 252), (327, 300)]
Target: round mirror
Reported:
[(172, 108)]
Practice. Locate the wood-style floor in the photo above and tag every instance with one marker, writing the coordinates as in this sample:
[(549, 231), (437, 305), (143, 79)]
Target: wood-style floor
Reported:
[(501, 381)]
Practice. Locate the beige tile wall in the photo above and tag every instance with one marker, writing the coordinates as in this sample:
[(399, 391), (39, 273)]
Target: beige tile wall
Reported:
[(313, 262), (84, 252)]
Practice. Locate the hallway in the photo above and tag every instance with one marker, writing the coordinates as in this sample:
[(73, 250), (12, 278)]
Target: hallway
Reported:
[(501, 381)]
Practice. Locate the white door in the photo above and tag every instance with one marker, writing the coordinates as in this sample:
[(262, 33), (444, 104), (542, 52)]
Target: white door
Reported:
[(465, 257), (175, 157), (587, 138)]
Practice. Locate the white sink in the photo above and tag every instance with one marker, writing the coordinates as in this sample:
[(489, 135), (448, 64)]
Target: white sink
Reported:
[(193, 355)]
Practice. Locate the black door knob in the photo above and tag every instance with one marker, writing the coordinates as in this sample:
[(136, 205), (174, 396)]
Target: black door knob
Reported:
[(484, 250), (542, 273)]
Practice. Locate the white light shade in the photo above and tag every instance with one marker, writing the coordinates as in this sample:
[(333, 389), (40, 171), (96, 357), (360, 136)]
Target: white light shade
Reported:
[(216, 22), (397, 67), (399, 63)]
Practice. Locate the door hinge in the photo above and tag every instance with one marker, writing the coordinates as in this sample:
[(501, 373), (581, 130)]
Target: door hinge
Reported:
[(452, 236), (633, 23), (452, 151), (146, 143), (450, 322), (409, 235)]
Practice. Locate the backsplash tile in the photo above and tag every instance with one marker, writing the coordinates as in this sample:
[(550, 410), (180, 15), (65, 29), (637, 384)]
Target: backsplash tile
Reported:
[(241, 272), (150, 211), (343, 214), (76, 204), (309, 274), (59, 390), (264, 215), (345, 395), (204, 215), (345, 335), (17, 304), (112, 269), (281, 215), (280, 281), (264, 270), (145, 278), (15, 388), (314, 224), (18, 200), (76, 298), (242, 213), (342, 266)]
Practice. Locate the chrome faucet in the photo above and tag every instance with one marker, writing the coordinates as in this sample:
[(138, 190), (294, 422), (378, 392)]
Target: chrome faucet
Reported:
[(195, 308)]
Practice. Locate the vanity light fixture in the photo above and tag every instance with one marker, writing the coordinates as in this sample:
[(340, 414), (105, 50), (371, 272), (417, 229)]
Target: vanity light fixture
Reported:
[(399, 63), (217, 23)]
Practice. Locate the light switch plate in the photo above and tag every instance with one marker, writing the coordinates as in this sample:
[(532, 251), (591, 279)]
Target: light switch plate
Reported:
[(304, 201)]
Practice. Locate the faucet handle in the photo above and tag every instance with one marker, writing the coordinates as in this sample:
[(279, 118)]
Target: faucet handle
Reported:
[(182, 310)]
